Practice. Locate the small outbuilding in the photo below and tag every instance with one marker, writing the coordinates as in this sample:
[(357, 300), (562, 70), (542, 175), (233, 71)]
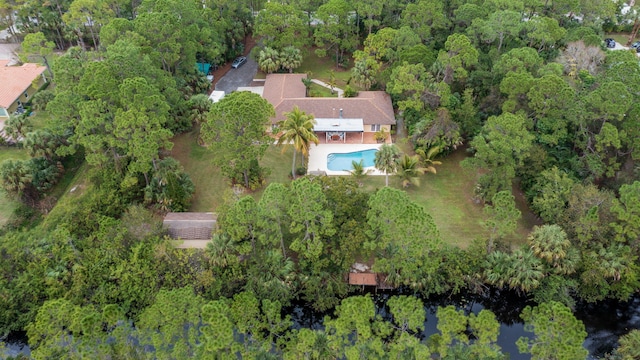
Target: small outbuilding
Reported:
[(364, 279), (190, 226)]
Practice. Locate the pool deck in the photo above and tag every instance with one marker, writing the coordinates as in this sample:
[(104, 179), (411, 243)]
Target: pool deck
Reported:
[(318, 156)]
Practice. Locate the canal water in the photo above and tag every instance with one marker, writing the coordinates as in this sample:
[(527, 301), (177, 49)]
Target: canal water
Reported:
[(605, 321)]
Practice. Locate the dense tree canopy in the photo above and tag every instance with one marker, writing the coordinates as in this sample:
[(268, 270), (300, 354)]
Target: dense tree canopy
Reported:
[(527, 86)]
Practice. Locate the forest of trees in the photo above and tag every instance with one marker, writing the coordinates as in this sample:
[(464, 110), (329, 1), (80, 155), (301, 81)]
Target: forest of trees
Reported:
[(527, 85)]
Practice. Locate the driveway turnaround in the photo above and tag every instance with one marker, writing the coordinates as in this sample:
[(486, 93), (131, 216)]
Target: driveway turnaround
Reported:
[(235, 78)]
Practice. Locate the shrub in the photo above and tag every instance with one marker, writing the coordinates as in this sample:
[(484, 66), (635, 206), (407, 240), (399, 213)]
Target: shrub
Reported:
[(350, 92), (301, 171), (257, 176), (170, 188)]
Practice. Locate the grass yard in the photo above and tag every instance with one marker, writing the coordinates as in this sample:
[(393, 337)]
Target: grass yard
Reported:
[(39, 119), (7, 205), (620, 38), (320, 91), (320, 68), (211, 185), (448, 198)]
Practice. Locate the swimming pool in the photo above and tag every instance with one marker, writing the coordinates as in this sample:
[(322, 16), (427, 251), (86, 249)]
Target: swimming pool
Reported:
[(342, 161)]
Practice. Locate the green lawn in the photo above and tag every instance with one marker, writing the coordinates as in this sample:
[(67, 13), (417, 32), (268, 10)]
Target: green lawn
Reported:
[(7, 205), (320, 68), (39, 120), (320, 91), (211, 185), (448, 198), (620, 38)]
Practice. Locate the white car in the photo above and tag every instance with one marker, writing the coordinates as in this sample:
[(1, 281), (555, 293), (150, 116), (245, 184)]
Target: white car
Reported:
[(238, 62)]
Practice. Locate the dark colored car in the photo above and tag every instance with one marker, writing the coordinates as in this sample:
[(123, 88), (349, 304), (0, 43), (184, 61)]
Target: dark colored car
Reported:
[(610, 43), (635, 45), (238, 62)]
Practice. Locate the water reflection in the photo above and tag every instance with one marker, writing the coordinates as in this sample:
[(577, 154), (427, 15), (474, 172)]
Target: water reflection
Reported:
[(604, 322)]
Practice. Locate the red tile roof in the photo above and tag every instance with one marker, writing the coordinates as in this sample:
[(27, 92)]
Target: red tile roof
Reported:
[(15, 80), (284, 91)]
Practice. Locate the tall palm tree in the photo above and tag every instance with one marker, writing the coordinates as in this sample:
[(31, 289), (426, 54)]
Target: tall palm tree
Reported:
[(409, 170), (387, 160), (290, 58), (307, 84), (297, 129), (269, 60)]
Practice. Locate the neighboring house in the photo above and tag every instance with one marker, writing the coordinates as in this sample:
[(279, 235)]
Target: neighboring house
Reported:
[(337, 119), (17, 85), (193, 228)]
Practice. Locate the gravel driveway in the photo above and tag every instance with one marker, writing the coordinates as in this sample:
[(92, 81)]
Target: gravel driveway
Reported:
[(235, 78)]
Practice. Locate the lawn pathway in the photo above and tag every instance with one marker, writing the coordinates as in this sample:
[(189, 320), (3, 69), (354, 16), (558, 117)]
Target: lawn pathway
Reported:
[(324, 84)]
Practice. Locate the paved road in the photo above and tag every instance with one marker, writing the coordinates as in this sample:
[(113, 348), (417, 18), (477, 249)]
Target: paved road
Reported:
[(236, 78)]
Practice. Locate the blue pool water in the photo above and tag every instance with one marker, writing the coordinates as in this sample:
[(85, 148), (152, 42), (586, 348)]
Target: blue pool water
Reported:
[(342, 161)]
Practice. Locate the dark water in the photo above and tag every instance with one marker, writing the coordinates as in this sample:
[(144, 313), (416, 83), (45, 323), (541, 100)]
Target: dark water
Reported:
[(605, 321), (16, 344)]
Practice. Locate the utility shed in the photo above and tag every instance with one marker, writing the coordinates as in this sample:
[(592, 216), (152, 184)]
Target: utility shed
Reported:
[(190, 225)]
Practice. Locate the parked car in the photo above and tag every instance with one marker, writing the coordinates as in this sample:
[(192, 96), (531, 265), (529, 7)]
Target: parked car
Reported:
[(610, 43), (239, 62), (635, 45)]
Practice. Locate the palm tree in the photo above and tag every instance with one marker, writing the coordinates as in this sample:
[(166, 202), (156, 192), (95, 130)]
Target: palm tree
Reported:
[(364, 72), (521, 271), (409, 170), (550, 243), (199, 108), (332, 80), (41, 143), (14, 176), (269, 60), (307, 84), (427, 158), (358, 171), (290, 58), (17, 126), (297, 129), (387, 160)]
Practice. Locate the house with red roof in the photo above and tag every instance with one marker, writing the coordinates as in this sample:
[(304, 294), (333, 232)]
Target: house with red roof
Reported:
[(343, 120), (17, 85)]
